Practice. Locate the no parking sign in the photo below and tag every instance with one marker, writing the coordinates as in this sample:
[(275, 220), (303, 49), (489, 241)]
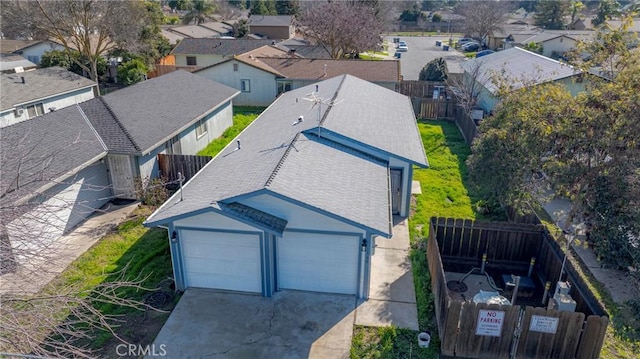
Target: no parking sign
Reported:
[(490, 323)]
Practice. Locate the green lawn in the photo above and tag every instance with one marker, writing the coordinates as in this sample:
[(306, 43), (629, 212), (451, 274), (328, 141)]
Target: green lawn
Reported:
[(444, 193), (242, 117), (136, 252)]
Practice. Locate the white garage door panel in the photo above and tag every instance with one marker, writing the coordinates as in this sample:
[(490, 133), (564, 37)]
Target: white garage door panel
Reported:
[(318, 262), (221, 260)]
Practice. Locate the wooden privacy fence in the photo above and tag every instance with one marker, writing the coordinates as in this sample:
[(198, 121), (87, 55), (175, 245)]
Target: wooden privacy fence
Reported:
[(187, 165), (469, 330), (434, 109), (466, 125), (419, 89)]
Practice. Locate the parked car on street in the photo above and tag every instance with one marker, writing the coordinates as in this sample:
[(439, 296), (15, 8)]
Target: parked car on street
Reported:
[(464, 40), (471, 46), (402, 48), (484, 53)]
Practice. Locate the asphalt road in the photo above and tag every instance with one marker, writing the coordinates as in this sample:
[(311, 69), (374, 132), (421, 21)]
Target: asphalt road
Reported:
[(424, 49)]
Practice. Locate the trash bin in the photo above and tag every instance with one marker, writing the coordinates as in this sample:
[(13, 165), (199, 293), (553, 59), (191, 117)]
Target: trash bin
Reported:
[(396, 40), (424, 339), (445, 48), (438, 43), (397, 55)]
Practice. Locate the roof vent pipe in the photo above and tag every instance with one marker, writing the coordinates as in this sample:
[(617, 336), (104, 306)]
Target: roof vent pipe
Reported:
[(23, 79), (325, 70), (239, 147)]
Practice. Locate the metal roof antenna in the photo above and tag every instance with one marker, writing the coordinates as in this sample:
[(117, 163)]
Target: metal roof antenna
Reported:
[(318, 101)]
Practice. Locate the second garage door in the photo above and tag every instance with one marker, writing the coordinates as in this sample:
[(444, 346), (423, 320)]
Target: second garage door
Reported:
[(318, 262), (221, 260)]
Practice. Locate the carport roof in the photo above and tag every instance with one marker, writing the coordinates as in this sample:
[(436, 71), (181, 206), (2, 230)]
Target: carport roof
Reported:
[(283, 156)]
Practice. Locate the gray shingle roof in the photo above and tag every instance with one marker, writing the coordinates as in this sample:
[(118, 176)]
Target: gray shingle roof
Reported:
[(270, 20), (278, 156), (222, 47), (10, 62), (39, 84), (154, 110), (112, 133), (378, 117), (44, 149), (262, 219), (519, 66)]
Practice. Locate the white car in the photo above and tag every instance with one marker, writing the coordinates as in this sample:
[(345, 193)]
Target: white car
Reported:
[(402, 48)]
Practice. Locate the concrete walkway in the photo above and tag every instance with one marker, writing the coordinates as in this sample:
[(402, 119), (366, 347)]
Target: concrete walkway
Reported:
[(392, 297), (616, 281), (33, 276)]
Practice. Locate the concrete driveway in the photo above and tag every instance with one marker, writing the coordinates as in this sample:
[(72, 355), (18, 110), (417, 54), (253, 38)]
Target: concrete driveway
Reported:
[(215, 324)]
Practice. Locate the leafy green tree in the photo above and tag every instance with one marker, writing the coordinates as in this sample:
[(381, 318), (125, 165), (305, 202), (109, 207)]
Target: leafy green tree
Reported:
[(240, 28), (436, 18), (263, 7), (200, 11), (576, 7), (132, 71), (550, 14), (411, 15), (287, 7), (71, 61), (434, 70), (534, 47), (586, 145), (428, 5), (606, 10), (179, 4)]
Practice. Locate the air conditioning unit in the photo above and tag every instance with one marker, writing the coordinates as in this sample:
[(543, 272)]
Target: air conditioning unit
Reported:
[(18, 112)]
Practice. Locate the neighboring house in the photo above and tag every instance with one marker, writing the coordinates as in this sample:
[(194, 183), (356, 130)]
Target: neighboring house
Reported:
[(617, 24), (497, 39), (554, 43), (195, 31), (9, 63), (198, 53), (33, 93), (302, 48), (300, 199), (519, 68), (31, 50), (177, 113), (61, 167), (261, 75), (272, 26)]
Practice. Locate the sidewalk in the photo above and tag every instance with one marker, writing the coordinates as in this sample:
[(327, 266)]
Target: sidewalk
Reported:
[(615, 281), (32, 277)]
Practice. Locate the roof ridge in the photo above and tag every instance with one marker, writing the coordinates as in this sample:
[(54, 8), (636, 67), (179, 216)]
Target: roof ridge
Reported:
[(135, 145), (95, 132), (281, 161), (335, 95)]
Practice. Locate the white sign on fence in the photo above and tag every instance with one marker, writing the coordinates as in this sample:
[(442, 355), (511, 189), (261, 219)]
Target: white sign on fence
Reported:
[(544, 324), (490, 323)]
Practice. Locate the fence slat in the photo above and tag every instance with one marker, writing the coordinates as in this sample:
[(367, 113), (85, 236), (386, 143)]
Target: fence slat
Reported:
[(593, 337)]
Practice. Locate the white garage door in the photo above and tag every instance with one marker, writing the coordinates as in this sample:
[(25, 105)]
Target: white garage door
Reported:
[(221, 260), (318, 262)]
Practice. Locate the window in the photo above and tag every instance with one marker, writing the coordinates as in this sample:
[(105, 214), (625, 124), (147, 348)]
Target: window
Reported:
[(235, 67), (191, 61), (245, 85), (201, 128), (35, 110), (284, 86)]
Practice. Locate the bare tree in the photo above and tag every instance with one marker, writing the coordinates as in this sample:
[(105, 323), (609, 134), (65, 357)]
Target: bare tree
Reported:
[(91, 27), (342, 28), (483, 16), (468, 87), (39, 316)]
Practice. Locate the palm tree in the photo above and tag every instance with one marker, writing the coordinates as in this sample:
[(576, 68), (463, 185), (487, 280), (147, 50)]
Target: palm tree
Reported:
[(200, 11)]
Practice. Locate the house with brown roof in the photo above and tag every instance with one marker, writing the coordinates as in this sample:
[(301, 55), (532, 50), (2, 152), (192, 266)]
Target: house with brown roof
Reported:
[(263, 74), (191, 54)]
